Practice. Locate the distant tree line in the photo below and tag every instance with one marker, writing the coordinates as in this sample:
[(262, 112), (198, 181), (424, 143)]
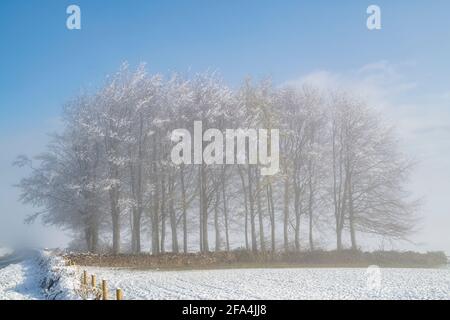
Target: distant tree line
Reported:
[(108, 177)]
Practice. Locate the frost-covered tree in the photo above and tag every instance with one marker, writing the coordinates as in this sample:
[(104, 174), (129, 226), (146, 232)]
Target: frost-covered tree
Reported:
[(109, 175), (66, 180), (368, 173)]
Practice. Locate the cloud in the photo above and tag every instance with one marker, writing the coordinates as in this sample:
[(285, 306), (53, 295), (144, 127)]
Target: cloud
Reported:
[(386, 87), (377, 82)]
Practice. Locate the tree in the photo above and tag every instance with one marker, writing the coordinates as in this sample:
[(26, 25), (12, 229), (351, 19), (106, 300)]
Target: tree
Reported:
[(66, 181), (341, 168)]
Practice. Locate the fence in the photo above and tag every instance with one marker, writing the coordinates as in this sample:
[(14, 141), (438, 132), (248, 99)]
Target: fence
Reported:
[(100, 292), (104, 286)]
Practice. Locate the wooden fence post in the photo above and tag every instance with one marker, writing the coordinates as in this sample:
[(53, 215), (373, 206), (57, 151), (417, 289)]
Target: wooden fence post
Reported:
[(93, 281), (104, 290), (119, 294), (84, 277)]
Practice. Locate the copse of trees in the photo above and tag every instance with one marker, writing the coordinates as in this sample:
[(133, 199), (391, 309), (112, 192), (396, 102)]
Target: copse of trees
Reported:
[(108, 176)]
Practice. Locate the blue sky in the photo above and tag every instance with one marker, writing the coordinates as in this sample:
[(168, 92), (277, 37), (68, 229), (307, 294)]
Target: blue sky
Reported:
[(43, 63), (403, 67)]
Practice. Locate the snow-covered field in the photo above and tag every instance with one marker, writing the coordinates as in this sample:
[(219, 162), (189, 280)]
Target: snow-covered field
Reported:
[(45, 276), (306, 283)]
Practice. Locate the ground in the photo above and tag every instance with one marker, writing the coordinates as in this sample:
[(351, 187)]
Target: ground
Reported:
[(46, 275), (300, 283)]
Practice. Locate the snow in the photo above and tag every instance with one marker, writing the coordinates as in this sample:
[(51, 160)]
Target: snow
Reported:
[(39, 277), (20, 282), (304, 283), (58, 281), (45, 276), (5, 251)]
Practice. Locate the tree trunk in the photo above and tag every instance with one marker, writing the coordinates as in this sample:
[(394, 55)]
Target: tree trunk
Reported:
[(94, 244), (225, 210), (137, 191), (351, 216), (216, 221), (133, 229), (340, 226), (156, 200), (163, 216), (116, 231), (310, 213), (252, 209), (155, 222), (91, 233), (286, 214), (204, 208), (244, 189), (136, 230), (88, 238), (183, 199), (115, 212), (116, 234), (297, 218), (173, 218), (342, 215), (200, 206), (260, 215), (339, 239), (271, 210)]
